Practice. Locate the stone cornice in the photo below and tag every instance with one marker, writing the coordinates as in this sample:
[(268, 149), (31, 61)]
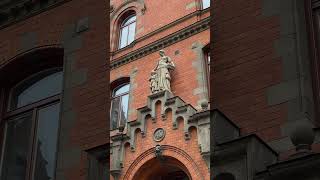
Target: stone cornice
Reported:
[(161, 29), (13, 12), (164, 42), (199, 115)]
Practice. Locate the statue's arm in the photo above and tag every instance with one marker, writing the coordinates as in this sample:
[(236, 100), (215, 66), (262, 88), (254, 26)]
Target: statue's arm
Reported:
[(170, 62)]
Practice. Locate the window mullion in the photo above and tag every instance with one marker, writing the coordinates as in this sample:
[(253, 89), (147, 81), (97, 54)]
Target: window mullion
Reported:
[(120, 37), (32, 146), (120, 110), (127, 43), (29, 107)]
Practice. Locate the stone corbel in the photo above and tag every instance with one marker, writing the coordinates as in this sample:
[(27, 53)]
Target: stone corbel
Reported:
[(116, 156), (201, 121)]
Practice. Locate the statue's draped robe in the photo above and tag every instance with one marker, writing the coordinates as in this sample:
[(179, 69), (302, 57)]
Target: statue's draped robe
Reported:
[(153, 83), (163, 75)]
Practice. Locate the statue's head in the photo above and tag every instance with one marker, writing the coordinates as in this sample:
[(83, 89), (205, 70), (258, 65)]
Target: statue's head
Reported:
[(161, 52), (158, 148)]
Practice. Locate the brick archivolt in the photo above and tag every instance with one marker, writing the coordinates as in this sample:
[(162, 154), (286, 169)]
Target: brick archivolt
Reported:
[(169, 151)]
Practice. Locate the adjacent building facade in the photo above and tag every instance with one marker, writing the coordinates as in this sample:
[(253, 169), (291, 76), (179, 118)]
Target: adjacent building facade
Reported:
[(265, 92), (256, 117), (159, 78), (53, 103)]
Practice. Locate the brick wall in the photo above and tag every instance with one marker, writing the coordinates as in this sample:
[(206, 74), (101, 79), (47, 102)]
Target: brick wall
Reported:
[(157, 22), (259, 55), (84, 112), (245, 65)]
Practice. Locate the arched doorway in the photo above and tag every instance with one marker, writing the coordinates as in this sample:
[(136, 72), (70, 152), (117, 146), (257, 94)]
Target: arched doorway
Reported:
[(167, 169)]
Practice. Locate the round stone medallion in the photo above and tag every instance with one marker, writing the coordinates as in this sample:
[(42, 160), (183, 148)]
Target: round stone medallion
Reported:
[(159, 134)]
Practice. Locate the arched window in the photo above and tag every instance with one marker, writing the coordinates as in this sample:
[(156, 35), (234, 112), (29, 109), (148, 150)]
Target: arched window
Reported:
[(205, 4), (31, 127), (119, 106), (127, 30)]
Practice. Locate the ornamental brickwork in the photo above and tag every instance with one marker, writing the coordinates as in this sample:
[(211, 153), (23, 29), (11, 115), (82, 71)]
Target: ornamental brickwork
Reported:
[(167, 126)]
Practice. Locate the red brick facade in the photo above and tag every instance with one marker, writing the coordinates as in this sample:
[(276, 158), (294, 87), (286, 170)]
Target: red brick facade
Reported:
[(263, 86), (155, 23)]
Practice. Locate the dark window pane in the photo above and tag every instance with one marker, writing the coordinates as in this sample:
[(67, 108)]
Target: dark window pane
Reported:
[(122, 89), (47, 136), (129, 20), (115, 113), (40, 89), (103, 171), (97, 164), (106, 172), (124, 108), (17, 145)]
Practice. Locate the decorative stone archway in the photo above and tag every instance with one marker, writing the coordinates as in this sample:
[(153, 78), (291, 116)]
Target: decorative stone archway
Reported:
[(123, 168), (174, 157)]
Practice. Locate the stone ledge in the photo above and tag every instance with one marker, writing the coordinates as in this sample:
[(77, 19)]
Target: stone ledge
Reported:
[(160, 44), (13, 12)]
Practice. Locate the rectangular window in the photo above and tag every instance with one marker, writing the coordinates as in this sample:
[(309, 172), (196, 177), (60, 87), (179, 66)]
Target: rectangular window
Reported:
[(98, 163)]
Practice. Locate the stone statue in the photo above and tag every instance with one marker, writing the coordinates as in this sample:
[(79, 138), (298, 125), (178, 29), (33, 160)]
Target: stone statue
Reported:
[(153, 82), (160, 76)]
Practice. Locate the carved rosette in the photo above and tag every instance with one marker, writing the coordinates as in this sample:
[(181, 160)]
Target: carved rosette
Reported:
[(159, 134)]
